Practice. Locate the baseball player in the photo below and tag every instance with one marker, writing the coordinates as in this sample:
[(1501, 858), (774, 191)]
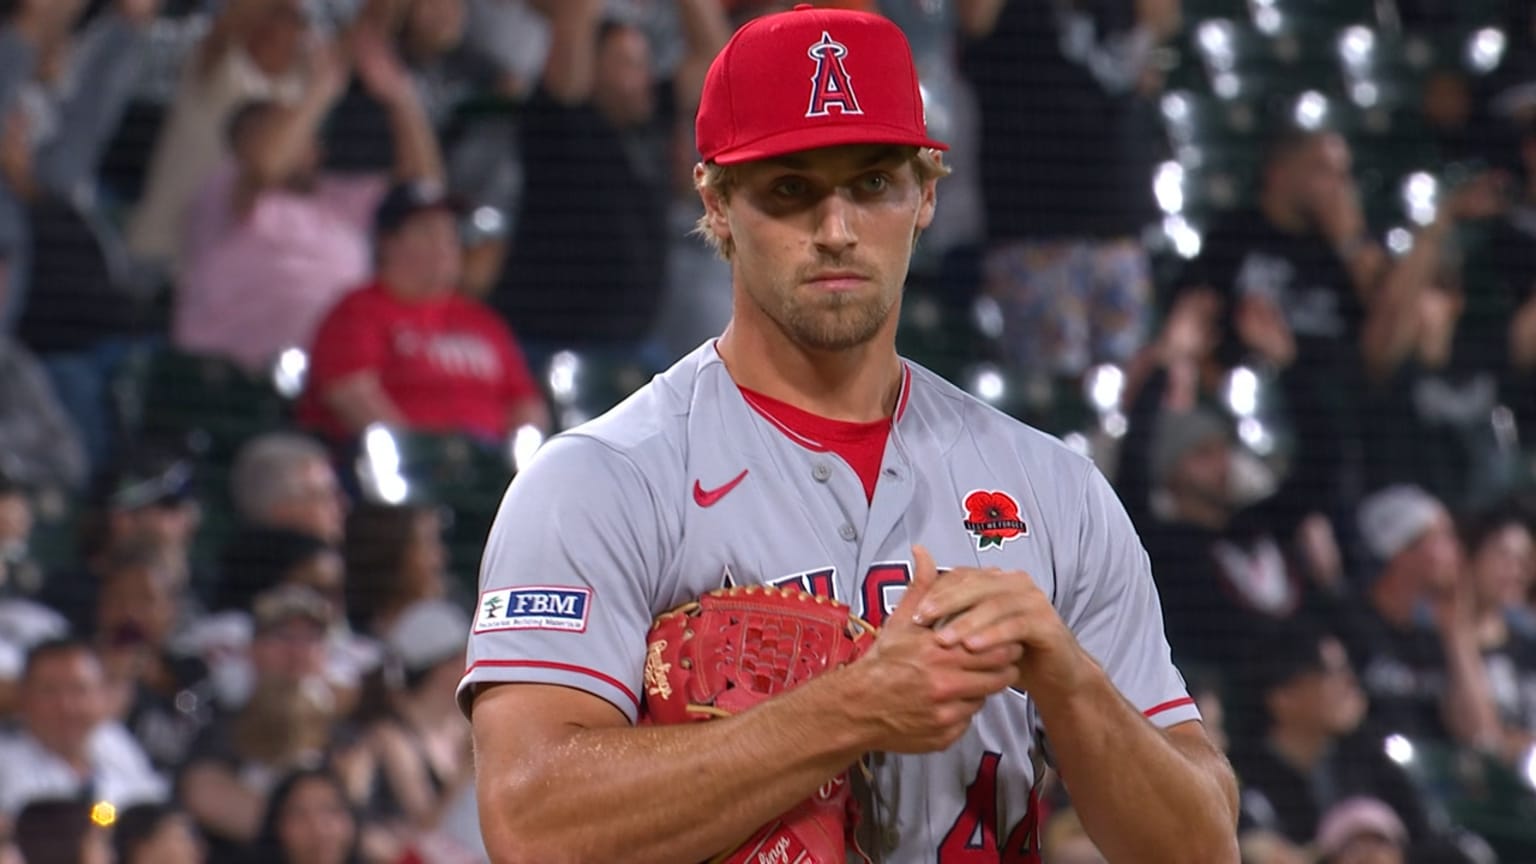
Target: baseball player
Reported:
[(799, 449)]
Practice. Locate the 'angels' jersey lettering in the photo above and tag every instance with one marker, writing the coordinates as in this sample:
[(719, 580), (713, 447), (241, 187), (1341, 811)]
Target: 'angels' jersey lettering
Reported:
[(621, 512)]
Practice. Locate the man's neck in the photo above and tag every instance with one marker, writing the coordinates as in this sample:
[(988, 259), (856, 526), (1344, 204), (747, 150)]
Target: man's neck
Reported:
[(1285, 219), (405, 286), (859, 384), (1299, 749), (1195, 510), (77, 757)]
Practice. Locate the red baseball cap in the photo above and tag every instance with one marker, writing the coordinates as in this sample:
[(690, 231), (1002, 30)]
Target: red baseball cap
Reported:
[(810, 78)]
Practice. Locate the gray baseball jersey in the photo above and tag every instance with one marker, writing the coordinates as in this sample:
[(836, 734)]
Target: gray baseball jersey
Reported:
[(685, 487)]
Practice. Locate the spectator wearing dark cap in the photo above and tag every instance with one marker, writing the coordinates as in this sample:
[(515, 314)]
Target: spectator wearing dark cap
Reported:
[(1222, 571), (62, 831), (287, 722), (1412, 634), (274, 240), (1300, 748), (163, 698), (288, 558), (148, 498), (409, 350), (156, 834)]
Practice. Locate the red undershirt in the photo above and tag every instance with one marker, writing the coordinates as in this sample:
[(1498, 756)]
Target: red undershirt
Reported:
[(862, 445)]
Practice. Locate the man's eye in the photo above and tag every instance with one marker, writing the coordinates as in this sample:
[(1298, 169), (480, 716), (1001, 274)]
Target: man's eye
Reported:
[(790, 188), (874, 183)]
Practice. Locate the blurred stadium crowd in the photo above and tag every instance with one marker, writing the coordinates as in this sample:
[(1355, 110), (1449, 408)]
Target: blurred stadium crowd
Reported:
[(289, 288)]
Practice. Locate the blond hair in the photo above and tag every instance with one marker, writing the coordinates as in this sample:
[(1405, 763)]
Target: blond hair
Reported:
[(927, 164)]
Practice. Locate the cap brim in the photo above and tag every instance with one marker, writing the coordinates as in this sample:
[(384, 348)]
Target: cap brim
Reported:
[(797, 140)]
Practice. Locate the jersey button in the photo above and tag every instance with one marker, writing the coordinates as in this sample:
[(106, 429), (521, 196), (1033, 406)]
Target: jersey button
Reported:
[(847, 532), (821, 472)]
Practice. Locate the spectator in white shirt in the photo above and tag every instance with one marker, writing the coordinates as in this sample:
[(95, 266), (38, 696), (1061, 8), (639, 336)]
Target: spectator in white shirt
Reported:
[(66, 748)]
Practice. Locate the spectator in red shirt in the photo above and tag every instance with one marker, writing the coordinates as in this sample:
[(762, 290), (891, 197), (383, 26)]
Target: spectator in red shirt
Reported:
[(409, 349)]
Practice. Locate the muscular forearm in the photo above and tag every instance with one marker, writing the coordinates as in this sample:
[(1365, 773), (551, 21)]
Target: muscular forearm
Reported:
[(1143, 795), (668, 793)]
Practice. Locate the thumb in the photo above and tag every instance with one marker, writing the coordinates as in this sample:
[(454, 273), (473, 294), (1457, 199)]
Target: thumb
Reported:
[(924, 574)]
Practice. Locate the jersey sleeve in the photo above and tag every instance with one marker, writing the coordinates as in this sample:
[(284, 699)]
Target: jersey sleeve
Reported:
[(568, 576), (1112, 606)]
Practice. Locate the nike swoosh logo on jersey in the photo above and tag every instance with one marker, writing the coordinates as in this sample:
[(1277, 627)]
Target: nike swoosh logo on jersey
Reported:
[(710, 497)]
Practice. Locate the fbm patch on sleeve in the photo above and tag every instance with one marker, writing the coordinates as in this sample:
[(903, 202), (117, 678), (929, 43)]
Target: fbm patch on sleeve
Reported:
[(534, 607)]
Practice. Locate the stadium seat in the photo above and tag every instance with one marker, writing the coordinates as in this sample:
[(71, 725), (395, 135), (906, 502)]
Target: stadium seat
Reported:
[(1479, 793), (206, 403), (581, 385), (462, 475)]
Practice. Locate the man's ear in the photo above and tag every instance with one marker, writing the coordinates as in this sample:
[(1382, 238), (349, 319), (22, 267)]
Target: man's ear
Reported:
[(930, 193), (714, 205)]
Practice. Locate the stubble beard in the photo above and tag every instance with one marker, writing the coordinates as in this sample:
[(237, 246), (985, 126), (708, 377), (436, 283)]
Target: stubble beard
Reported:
[(834, 322)]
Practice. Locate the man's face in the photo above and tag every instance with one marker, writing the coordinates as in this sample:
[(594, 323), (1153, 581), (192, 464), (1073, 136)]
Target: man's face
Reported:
[(290, 652), (1436, 557), (15, 519), (823, 239), (315, 504), (62, 700), (1314, 172), (434, 27), (426, 250), (1203, 471), (624, 88), (1326, 702), (276, 42), (1502, 568), (137, 606), (1369, 849), (170, 525)]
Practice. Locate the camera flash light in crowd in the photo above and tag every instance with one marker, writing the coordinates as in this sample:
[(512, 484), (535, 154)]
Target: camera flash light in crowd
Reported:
[(1400, 240), (1215, 39), (526, 441), (380, 466), (1243, 392), (1168, 186), (103, 814), (1266, 17), (988, 384), (289, 372), (1185, 239), (1529, 767), (1105, 384), (1485, 49), (1256, 436), (1399, 749), (1365, 93), (1311, 110), (987, 315), (1421, 195), (563, 368), (1357, 44)]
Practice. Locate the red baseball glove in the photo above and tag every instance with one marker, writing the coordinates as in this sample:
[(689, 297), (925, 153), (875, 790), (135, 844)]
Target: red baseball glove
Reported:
[(736, 647)]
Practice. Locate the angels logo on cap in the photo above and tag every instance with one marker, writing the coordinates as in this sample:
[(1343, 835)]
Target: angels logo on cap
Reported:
[(751, 109), (830, 86)]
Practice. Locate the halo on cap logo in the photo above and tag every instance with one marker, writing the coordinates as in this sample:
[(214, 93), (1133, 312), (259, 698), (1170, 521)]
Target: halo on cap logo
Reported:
[(831, 85)]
